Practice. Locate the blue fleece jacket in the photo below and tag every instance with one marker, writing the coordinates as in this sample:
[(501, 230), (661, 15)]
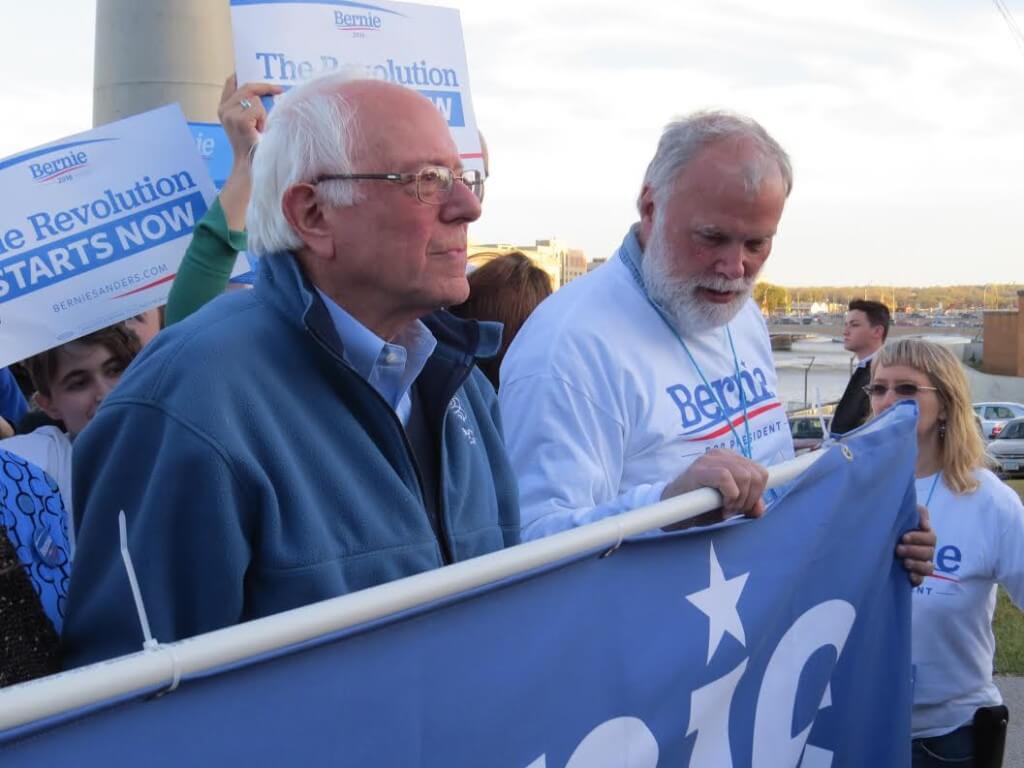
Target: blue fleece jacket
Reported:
[(259, 472)]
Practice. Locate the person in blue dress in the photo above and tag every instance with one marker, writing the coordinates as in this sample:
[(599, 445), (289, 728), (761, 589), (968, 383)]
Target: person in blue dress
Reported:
[(35, 567)]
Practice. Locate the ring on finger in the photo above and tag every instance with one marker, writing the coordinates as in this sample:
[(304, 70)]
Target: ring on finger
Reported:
[(245, 103)]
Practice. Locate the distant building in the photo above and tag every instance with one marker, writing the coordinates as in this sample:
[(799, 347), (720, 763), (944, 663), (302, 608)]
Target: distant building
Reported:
[(595, 263), (481, 253), (573, 265), (558, 250), (561, 262), (1003, 340)]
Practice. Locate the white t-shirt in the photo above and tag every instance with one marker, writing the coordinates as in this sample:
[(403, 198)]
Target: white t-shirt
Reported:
[(49, 449), (602, 406), (980, 544)]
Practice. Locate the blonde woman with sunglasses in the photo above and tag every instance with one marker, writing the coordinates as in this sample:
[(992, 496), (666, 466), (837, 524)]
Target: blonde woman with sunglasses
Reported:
[(979, 522)]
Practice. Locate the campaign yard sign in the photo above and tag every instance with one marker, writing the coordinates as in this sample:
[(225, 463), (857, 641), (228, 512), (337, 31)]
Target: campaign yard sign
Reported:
[(419, 46), (93, 228)]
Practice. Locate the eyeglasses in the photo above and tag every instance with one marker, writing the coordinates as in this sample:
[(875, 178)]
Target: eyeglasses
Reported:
[(434, 183), (901, 390)]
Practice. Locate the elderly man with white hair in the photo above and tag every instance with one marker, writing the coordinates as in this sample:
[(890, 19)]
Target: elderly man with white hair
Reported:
[(653, 375), (326, 431)]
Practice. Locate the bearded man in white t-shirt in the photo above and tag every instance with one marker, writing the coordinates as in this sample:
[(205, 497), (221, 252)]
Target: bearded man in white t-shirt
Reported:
[(653, 375)]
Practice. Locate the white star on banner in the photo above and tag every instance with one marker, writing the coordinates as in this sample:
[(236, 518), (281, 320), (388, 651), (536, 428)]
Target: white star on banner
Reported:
[(718, 602)]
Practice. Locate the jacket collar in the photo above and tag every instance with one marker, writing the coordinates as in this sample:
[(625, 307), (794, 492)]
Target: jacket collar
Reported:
[(282, 284)]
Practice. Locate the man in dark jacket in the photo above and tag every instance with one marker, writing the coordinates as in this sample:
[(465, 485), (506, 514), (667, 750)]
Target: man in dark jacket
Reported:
[(864, 333), (326, 431)]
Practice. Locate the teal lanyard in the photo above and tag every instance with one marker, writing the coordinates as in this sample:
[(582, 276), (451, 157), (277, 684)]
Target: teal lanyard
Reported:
[(745, 448), (928, 501)]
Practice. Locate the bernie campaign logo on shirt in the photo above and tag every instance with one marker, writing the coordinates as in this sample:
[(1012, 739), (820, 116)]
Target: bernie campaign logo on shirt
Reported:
[(700, 408), (944, 581)]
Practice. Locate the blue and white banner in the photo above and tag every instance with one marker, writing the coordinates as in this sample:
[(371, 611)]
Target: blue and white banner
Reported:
[(774, 643), (93, 228), (288, 41)]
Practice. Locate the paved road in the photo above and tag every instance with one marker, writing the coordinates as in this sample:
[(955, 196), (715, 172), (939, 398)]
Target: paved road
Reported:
[(1012, 689)]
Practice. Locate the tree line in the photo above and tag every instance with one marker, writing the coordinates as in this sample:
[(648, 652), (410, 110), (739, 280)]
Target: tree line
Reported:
[(777, 298)]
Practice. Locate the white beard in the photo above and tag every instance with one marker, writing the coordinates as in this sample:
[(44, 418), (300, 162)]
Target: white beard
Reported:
[(679, 298)]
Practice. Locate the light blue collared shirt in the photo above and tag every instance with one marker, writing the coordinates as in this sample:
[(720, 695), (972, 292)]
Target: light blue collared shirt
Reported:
[(867, 360), (388, 367)]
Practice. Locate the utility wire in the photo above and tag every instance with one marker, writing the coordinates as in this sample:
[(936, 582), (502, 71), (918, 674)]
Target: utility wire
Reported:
[(1011, 23)]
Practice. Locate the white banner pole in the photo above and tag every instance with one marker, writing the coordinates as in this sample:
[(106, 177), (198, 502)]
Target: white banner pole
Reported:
[(168, 663)]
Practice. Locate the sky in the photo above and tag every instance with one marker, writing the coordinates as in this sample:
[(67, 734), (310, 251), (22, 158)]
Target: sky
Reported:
[(904, 119)]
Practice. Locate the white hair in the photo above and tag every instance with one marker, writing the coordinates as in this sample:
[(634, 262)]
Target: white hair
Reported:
[(678, 297), (685, 137), (309, 132)]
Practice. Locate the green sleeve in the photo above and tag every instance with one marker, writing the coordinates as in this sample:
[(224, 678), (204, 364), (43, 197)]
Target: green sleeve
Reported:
[(206, 268)]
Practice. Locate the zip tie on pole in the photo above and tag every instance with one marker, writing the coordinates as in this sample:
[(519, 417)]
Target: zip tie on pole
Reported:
[(615, 548), (169, 649), (148, 642)]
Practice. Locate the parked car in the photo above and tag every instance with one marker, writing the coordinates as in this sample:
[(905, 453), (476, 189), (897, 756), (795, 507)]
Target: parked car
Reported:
[(1008, 448), (995, 415), (807, 432), (808, 427)]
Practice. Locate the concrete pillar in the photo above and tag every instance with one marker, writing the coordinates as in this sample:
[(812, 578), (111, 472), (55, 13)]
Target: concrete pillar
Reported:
[(155, 52)]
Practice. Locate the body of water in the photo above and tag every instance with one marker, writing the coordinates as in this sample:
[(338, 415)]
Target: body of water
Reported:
[(828, 374)]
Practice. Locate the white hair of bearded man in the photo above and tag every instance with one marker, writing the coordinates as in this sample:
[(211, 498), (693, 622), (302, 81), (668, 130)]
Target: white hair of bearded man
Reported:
[(679, 297), (684, 138)]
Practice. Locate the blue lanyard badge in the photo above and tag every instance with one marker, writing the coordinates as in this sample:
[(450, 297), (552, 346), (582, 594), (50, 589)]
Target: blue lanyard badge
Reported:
[(931, 491)]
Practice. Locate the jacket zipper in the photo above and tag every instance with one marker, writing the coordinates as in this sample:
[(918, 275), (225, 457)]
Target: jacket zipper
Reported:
[(442, 501), (436, 525)]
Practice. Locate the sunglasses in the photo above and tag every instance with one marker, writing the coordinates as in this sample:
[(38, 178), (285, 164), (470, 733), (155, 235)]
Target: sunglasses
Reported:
[(901, 390)]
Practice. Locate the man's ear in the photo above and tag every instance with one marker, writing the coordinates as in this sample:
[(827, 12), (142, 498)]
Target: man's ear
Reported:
[(305, 213), (47, 406), (647, 212)]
